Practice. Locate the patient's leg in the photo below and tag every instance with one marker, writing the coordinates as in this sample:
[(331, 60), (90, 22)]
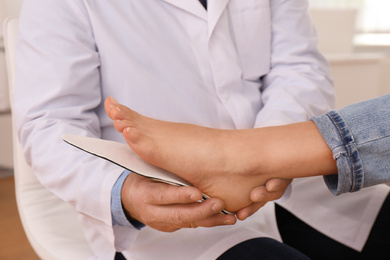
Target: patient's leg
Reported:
[(215, 161), (226, 164)]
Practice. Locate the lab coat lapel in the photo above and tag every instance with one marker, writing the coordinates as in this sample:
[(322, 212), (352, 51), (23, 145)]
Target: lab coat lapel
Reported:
[(192, 6), (215, 9)]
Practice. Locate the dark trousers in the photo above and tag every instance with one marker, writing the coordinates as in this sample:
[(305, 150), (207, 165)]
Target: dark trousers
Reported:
[(119, 256), (317, 246), (262, 248)]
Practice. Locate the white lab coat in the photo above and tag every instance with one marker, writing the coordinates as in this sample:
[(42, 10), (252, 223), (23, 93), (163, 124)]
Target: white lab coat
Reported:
[(241, 64)]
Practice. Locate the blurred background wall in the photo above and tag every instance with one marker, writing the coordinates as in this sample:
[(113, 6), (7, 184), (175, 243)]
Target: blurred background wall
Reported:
[(8, 8), (354, 36)]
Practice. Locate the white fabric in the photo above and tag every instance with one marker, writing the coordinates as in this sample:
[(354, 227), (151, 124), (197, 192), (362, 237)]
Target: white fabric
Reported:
[(170, 60), (51, 225)]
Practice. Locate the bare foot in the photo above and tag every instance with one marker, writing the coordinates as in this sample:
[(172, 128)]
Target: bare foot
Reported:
[(225, 164), (215, 161)]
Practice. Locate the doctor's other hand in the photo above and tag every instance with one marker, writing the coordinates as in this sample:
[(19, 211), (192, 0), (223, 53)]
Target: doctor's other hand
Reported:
[(168, 208), (272, 190)]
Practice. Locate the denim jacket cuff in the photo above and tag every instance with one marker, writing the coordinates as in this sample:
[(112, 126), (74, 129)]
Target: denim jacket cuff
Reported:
[(339, 138)]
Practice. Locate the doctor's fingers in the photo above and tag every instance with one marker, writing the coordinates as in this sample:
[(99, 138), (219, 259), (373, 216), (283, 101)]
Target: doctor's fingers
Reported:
[(180, 204), (244, 213), (158, 193), (273, 190), (277, 186), (213, 221), (200, 214)]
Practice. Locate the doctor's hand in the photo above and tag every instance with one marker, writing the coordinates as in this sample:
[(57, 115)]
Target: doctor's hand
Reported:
[(272, 190), (168, 208)]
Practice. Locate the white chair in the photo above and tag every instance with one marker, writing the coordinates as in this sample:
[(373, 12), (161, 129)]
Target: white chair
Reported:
[(4, 99), (51, 225), (6, 160)]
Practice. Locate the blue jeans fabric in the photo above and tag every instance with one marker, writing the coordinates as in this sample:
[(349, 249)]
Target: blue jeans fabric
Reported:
[(359, 137)]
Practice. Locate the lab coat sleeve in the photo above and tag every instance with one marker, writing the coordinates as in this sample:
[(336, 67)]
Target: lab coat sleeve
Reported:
[(298, 85), (58, 91)]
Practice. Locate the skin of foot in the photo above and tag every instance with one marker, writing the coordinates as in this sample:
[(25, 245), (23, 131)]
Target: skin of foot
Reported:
[(225, 164)]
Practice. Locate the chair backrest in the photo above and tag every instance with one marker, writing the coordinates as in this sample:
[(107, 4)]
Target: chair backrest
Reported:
[(4, 97), (51, 225)]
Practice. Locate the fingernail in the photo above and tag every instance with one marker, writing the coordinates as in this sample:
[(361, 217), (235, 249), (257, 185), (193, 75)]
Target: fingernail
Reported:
[(113, 100), (260, 197), (194, 197), (118, 121), (128, 129), (228, 222), (274, 188), (118, 108), (216, 208)]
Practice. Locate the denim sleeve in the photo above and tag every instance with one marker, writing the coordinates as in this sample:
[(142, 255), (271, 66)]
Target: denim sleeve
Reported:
[(359, 137), (117, 212)]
